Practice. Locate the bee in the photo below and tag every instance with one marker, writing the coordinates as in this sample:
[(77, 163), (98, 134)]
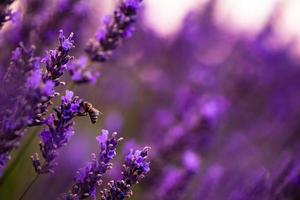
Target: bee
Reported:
[(93, 112)]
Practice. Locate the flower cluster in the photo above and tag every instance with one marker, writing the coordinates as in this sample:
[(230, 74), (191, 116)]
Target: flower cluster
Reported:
[(15, 102), (199, 98), (59, 131), (135, 168), (43, 83), (89, 177), (99, 49), (115, 30), (29, 87)]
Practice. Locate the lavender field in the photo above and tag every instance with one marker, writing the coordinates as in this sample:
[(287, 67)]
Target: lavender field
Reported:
[(97, 104)]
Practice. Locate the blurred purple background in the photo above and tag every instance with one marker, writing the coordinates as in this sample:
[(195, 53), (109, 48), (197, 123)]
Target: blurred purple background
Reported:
[(211, 86)]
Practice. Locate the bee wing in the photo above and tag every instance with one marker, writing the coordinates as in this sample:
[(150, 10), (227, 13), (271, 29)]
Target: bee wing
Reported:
[(101, 113)]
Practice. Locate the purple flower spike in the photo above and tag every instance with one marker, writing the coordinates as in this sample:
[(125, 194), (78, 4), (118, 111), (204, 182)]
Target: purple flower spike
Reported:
[(135, 168), (59, 131), (89, 177), (115, 30), (81, 73), (43, 85), (16, 103), (56, 60)]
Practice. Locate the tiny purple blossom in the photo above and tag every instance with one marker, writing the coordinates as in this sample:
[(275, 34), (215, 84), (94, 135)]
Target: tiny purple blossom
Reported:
[(102, 138), (34, 79), (48, 88), (66, 43), (67, 98), (191, 161)]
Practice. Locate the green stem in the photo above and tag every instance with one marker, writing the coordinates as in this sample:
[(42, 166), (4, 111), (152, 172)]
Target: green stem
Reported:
[(71, 86), (29, 186), (19, 156)]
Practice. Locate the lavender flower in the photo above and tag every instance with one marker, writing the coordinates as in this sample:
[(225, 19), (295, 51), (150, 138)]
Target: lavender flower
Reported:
[(175, 181), (234, 98), (43, 83), (66, 14), (25, 23), (5, 12), (81, 73), (173, 186), (59, 131), (56, 60), (90, 177), (15, 102), (108, 39), (114, 31), (134, 169)]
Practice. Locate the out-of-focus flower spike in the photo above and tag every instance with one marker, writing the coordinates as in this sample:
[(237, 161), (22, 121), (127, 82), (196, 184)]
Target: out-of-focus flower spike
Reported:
[(173, 185), (81, 72), (169, 187), (115, 29), (16, 105)]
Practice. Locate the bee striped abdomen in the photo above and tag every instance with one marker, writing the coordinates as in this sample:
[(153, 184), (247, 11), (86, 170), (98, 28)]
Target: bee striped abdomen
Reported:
[(93, 112)]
